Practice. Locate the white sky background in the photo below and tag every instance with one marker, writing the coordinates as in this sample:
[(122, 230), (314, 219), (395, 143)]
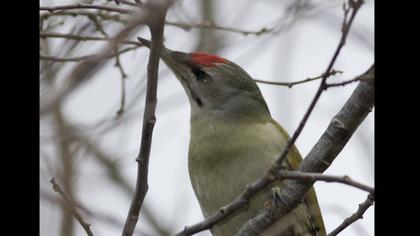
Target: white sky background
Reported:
[(303, 51)]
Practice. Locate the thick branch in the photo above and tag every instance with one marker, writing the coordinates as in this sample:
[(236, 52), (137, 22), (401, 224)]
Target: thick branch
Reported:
[(357, 215), (156, 25), (322, 154)]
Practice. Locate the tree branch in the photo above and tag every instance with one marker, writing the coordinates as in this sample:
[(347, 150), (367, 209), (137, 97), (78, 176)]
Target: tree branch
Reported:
[(357, 215), (72, 208), (156, 26)]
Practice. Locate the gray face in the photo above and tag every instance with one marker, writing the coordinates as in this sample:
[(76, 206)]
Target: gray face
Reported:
[(219, 87), (212, 86)]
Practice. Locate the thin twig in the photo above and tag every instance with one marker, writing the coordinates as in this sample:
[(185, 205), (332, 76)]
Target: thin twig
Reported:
[(291, 84), (86, 6), (213, 26), (110, 17), (83, 38), (123, 77), (72, 208), (309, 176), (82, 58), (184, 26), (156, 26), (98, 24), (107, 219), (329, 85), (357, 215)]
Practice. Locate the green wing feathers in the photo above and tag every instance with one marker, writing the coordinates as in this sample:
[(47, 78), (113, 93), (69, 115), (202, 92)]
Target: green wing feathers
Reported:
[(310, 206)]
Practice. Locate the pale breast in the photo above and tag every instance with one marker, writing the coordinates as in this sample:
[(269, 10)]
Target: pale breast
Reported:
[(224, 158)]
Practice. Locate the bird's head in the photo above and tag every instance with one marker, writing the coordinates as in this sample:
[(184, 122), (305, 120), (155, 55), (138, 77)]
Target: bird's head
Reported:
[(215, 85)]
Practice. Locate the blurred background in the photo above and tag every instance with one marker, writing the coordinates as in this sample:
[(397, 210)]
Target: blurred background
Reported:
[(90, 142)]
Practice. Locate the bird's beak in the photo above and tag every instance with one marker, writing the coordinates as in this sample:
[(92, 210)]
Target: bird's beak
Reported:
[(175, 60), (178, 63)]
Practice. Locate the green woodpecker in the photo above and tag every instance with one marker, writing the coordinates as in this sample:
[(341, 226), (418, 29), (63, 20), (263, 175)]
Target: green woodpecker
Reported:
[(234, 141)]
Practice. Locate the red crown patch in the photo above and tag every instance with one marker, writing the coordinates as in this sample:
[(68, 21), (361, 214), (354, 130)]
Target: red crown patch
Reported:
[(205, 59)]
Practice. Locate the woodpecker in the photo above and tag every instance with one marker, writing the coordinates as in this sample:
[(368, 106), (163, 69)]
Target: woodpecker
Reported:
[(233, 142)]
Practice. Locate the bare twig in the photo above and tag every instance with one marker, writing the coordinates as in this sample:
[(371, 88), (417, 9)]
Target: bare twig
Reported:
[(213, 26), (182, 25), (103, 217), (82, 58), (86, 6), (83, 38), (329, 85), (291, 84), (109, 17), (308, 176), (72, 208), (269, 177), (156, 26), (123, 77), (357, 215)]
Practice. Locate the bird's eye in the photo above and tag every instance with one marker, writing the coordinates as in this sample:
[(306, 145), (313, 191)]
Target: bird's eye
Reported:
[(201, 75)]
